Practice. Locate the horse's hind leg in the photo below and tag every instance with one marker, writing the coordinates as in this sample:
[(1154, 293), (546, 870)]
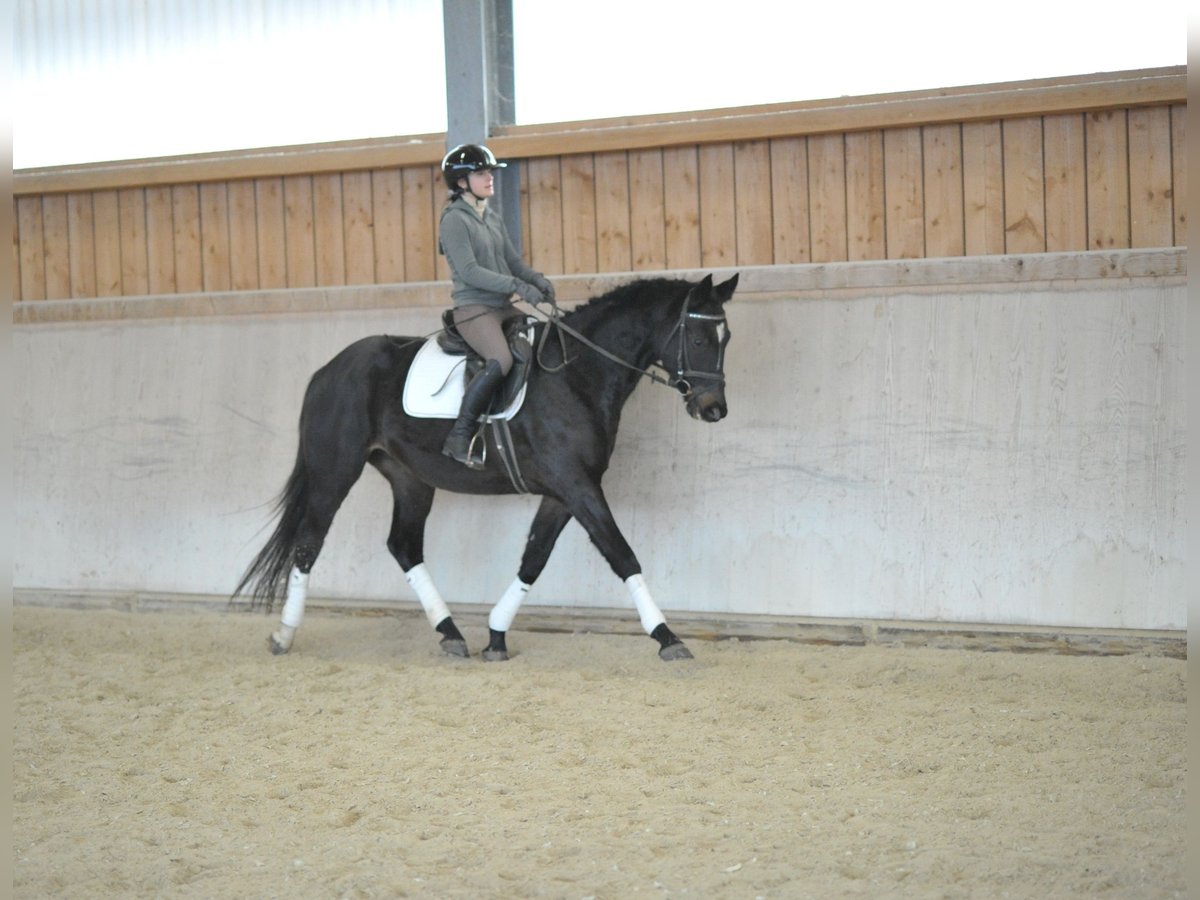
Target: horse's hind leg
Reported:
[(322, 503), (411, 502), (547, 525)]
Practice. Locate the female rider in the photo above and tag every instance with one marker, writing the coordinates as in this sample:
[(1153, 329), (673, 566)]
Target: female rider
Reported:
[(486, 271)]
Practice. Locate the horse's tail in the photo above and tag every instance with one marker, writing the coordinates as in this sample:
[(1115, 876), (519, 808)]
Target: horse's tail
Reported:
[(267, 575)]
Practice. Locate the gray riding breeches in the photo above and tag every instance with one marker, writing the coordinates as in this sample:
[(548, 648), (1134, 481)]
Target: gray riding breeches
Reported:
[(483, 328)]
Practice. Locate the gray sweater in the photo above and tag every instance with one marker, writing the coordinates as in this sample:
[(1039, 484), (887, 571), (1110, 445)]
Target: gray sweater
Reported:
[(484, 265)]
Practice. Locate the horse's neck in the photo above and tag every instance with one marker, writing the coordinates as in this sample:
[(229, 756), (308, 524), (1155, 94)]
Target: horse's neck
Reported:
[(629, 338), (629, 333)]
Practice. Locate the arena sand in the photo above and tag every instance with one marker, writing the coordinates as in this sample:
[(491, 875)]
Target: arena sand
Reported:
[(168, 755)]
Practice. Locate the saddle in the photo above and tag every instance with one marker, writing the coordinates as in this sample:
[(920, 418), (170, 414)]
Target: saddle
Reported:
[(517, 331), (441, 371), (445, 364)]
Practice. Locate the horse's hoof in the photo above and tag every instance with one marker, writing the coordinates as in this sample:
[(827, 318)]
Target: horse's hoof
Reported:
[(276, 648), (675, 651), (490, 655), (455, 647)]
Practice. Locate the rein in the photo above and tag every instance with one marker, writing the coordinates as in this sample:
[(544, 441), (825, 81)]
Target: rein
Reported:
[(678, 381)]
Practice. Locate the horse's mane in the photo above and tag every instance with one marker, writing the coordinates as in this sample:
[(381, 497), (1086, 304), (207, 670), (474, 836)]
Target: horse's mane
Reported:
[(640, 294)]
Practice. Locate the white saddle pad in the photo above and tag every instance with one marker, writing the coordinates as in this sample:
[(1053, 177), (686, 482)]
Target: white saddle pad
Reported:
[(434, 387)]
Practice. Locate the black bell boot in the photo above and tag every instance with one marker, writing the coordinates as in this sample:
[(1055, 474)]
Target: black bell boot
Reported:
[(474, 404)]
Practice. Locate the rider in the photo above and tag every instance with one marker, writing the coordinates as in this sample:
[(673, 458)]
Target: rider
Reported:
[(486, 271)]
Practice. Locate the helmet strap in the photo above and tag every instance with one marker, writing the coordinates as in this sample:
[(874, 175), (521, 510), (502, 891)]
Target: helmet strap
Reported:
[(480, 202)]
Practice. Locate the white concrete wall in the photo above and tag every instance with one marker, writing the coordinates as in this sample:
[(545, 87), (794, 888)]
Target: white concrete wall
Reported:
[(947, 448)]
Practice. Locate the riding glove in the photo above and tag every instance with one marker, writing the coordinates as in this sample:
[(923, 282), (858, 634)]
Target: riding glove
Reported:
[(528, 292), (542, 283)]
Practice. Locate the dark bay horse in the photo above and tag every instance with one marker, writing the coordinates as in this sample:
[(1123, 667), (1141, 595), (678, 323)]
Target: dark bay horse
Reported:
[(563, 438)]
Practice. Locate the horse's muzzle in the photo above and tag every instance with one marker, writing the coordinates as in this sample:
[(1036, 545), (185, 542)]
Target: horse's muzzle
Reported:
[(707, 405)]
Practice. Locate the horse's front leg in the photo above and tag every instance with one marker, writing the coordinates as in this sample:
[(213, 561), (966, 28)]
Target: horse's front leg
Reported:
[(547, 525), (436, 610), (593, 514)]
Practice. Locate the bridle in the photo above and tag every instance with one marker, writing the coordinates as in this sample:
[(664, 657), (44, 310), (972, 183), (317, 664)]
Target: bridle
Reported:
[(683, 366), (679, 379)]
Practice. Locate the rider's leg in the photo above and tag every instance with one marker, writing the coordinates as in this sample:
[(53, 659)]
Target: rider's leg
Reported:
[(482, 328)]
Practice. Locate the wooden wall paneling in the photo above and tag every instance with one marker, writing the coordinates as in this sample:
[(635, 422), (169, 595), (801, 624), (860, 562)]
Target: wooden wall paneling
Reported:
[(421, 261), (81, 244), (243, 235), (647, 210), (902, 175), (299, 231), (1151, 216), (32, 247), (56, 228), (17, 296), (272, 233), (790, 241), (613, 249), (545, 249), (1179, 157), (577, 214), (681, 170), (106, 216), (718, 222), (358, 236), (827, 197), (983, 189), (160, 240), (1024, 186), (387, 221), (185, 219), (135, 247), (214, 236), (752, 198), (942, 159), (329, 229), (526, 232), (1107, 179), (865, 210), (437, 201), (1066, 183)]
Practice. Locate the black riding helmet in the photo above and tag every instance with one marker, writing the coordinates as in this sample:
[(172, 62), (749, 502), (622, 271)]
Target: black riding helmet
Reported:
[(467, 158)]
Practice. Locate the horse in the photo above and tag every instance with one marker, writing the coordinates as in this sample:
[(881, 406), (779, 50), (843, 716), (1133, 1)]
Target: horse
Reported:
[(563, 437)]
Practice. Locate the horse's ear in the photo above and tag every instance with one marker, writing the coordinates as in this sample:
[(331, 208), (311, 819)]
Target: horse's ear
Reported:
[(724, 291)]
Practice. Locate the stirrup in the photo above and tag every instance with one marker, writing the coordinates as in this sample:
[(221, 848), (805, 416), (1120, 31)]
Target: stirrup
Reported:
[(470, 460)]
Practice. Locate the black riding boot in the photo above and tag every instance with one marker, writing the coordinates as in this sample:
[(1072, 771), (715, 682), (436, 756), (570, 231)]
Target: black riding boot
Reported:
[(474, 404)]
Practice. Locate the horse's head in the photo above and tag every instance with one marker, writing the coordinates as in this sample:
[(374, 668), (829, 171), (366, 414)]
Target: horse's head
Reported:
[(695, 353)]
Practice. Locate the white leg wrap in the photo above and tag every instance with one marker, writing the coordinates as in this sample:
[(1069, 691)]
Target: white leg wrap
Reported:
[(293, 611), (503, 613), (427, 592), (297, 594), (648, 611)]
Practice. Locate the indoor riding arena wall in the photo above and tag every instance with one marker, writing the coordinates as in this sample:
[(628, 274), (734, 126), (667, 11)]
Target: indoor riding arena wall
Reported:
[(994, 440), (955, 385)]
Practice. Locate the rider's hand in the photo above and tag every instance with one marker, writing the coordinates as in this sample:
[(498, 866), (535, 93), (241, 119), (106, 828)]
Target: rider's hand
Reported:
[(528, 292), (542, 283)]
